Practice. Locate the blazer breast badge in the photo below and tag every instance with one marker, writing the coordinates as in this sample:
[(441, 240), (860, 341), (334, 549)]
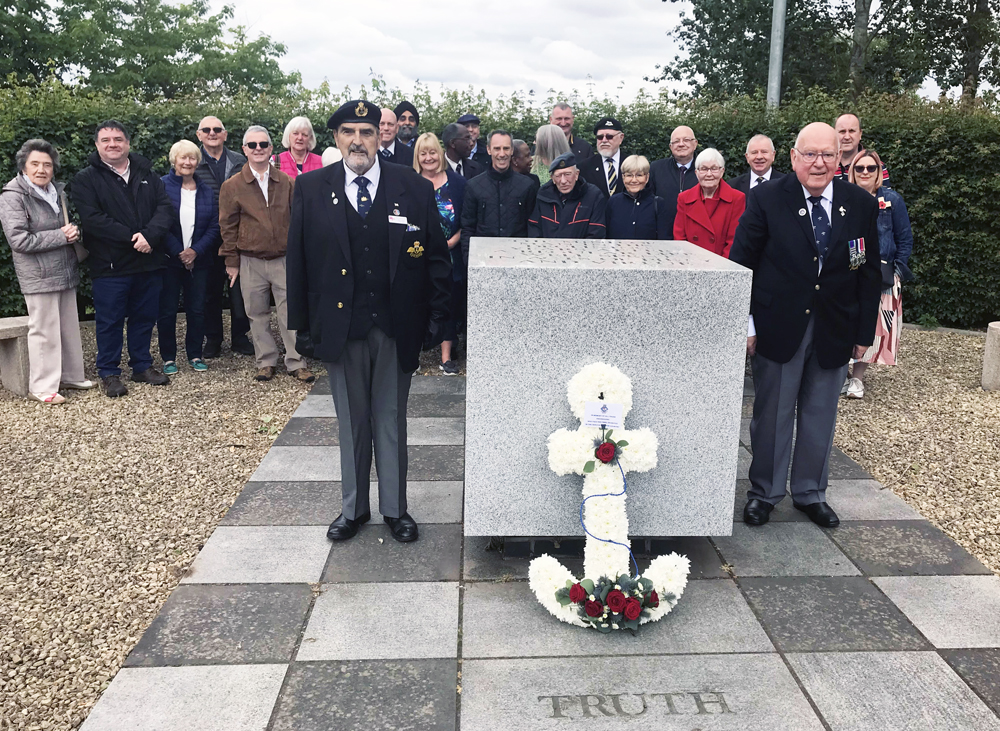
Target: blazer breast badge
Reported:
[(416, 251)]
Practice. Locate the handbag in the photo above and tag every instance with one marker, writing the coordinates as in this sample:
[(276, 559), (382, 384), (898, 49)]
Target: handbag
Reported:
[(888, 274), (81, 252)]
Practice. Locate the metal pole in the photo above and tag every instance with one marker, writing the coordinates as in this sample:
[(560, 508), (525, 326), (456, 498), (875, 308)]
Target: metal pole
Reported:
[(777, 50)]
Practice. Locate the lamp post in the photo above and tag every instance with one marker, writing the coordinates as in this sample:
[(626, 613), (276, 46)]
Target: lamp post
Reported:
[(777, 50)]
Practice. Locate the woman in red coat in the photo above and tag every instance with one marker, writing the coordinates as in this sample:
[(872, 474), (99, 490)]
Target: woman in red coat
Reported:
[(708, 213)]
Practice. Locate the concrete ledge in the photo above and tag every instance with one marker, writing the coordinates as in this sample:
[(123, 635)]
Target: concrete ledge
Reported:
[(991, 358), (14, 354)]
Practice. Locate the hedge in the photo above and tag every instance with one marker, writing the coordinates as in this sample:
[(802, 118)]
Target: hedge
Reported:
[(941, 157)]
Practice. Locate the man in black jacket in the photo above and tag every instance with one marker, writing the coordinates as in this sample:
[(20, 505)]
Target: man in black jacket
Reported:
[(672, 175), (568, 207), (812, 243), (562, 117), (603, 170), (760, 158), (457, 141), (219, 164), (125, 213), (389, 149), (369, 280), (498, 202)]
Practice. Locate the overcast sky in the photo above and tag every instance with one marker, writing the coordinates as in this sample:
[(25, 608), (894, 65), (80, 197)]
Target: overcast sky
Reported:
[(602, 45)]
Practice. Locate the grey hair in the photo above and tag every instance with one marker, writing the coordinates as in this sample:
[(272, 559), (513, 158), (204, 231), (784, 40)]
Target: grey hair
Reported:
[(760, 137), (709, 156), (550, 143), (563, 105), (294, 125), (256, 128), (517, 145), (635, 164), (36, 145)]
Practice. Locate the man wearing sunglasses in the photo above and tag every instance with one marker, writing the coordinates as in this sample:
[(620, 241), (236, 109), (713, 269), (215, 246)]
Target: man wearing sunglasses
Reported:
[(254, 212), (219, 164), (603, 170)]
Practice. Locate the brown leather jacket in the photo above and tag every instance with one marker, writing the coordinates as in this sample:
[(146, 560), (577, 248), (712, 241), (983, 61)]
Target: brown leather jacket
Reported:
[(250, 225)]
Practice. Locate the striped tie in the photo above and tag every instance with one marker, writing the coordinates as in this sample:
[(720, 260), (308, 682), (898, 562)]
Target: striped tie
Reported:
[(612, 176)]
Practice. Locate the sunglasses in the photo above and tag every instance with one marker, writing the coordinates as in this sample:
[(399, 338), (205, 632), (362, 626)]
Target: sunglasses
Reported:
[(609, 136), (865, 168), (254, 145), (217, 130)]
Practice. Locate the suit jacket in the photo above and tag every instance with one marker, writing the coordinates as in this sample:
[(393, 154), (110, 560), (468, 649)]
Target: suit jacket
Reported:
[(714, 232), (580, 147), (481, 157), (775, 239), (470, 168), (665, 181), (402, 156), (319, 269), (592, 170), (742, 182)]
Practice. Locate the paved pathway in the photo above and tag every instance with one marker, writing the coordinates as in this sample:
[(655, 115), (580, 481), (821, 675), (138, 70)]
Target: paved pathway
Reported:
[(882, 624)]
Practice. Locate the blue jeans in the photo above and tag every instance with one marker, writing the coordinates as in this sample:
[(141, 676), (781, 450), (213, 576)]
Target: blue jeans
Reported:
[(135, 297), (194, 284)]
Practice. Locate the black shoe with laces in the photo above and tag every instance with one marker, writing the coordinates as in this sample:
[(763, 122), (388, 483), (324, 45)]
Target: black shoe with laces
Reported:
[(113, 386), (151, 376), (449, 367)]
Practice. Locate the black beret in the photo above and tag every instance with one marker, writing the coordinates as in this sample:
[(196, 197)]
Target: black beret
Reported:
[(565, 160), (468, 119), (358, 110), (407, 107), (608, 123)]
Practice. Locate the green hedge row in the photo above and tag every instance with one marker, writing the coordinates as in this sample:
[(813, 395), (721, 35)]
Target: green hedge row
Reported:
[(941, 157)]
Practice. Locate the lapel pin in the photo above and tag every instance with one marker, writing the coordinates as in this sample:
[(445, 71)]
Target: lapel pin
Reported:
[(802, 211), (334, 196), (842, 211), (395, 211)]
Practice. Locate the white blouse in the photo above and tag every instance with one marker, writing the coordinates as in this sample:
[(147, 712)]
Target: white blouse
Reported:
[(187, 215)]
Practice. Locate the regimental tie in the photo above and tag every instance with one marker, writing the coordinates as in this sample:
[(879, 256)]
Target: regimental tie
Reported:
[(760, 179), (364, 199), (612, 176), (385, 153), (821, 226)]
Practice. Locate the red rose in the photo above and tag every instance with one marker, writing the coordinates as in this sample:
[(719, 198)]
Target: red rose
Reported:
[(577, 593), (616, 601), (653, 600), (632, 609), (593, 609), (605, 452)]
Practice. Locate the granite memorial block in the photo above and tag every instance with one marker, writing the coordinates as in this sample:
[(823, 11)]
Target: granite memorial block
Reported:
[(670, 315)]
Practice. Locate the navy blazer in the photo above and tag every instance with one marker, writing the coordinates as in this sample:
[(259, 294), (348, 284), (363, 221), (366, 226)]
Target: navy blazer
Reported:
[(206, 238), (742, 182)]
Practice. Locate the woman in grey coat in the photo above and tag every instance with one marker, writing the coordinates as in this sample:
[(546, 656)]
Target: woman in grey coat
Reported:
[(34, 221)]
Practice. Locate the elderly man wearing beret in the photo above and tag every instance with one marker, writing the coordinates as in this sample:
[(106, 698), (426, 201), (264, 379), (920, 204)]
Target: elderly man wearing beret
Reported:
[(368, 284), (604, 170), (568, 207)]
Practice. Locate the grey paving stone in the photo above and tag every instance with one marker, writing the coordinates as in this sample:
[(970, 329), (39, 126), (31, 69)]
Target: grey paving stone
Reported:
[(712, 616), (318, 503), (261, 555), (382, 621), (818, 614), (375, 556), (843, 467), (743, 463), (783, 549), (478, 564), (314, 406), (207, 698), (745, 432), (232, 625), (904, 548), (784, 512), (951, 611), (313, 464), (864, 691), (421, 430), (675, 693), (368, 696), (315, 431), (705, 561), (437, 384), (747, 406), (320, 387), (981, 670), (748, 389), (866, 500), (418, 404), (435, 462)]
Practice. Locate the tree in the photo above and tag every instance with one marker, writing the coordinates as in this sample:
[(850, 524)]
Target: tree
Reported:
[(27, 43), (968, 55)]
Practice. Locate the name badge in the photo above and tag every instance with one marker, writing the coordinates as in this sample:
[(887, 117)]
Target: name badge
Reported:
[(857, 250), (601, 413), (398, 219)]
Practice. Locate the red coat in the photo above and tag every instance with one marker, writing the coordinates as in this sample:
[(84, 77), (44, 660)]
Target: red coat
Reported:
[(714, 233)]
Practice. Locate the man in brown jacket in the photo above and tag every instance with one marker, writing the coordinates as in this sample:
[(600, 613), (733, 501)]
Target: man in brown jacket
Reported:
[(254, 211)]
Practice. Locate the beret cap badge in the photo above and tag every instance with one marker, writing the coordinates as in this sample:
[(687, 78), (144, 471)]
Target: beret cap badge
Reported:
[(361, 110)]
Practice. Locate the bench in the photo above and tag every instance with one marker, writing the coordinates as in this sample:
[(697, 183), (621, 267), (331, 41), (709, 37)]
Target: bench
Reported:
[(991, 358), (14, 354)]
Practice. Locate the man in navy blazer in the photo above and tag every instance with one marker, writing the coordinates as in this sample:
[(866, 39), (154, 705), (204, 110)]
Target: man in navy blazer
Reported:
[(389, 149), (760, 158), (671, 176), (368, 276), (812, 243)]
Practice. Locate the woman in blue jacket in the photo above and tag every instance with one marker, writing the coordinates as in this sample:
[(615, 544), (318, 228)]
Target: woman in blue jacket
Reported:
[(636, 213), (190, 244)]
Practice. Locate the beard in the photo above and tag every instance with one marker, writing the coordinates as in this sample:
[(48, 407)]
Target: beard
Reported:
[(406, 133), (358, 159)]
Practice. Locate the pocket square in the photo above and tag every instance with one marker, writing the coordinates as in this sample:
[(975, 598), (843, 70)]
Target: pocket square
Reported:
[(412, 227)]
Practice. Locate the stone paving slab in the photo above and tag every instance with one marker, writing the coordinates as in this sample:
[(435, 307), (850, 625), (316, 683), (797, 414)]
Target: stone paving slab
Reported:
[(711, 617), (393, 695), (261, 555), (299, 464), (783, 549), (314, 431), (670, 693), (206, 698), (418, 385), (816, 614), (866, 691), (851, 499), (384, 621), (951, 611), (204, 624), (980, 668), (904, 548), (375, 556), (420, 404)]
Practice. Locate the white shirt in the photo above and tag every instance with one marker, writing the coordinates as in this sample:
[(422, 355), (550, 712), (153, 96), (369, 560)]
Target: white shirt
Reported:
[(128, 169), (49, 193), (187, 215), (453, 165), (351, 187), (262, 179), (391, 147), (754, 176), (615, 159)]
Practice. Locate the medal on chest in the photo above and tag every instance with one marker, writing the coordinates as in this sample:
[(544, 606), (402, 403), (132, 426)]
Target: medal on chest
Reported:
[(857, 251)]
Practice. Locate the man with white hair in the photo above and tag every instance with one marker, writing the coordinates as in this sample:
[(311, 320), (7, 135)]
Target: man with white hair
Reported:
[(760, 158), (812, 243), (568, 207)]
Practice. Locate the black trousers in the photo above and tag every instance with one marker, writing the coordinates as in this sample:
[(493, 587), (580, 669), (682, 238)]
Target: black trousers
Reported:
[(217, 279)]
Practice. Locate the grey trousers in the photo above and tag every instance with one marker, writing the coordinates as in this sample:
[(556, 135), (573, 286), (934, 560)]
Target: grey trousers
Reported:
[(370, 391), (779, 389)]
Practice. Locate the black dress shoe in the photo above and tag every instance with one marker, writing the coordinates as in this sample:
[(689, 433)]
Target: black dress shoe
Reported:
[(151, 376), (243, 346), (757, 512), (343, 528), (212, 349), (820, 513), (403, 528)]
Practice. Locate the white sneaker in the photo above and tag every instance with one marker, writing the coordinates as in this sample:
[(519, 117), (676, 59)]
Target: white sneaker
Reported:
[(847, 383), (81, 386), (855, 388)]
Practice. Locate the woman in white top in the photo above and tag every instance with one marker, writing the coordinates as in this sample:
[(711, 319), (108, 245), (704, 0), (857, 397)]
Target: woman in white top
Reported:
[(190, 244)]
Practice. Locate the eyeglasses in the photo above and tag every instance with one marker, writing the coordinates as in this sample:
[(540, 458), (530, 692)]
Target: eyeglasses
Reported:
[(634, 176), (715, 169), (608, 136), (254, 145), (687, 140), (865, 168), (810, 157), (217, 130)]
